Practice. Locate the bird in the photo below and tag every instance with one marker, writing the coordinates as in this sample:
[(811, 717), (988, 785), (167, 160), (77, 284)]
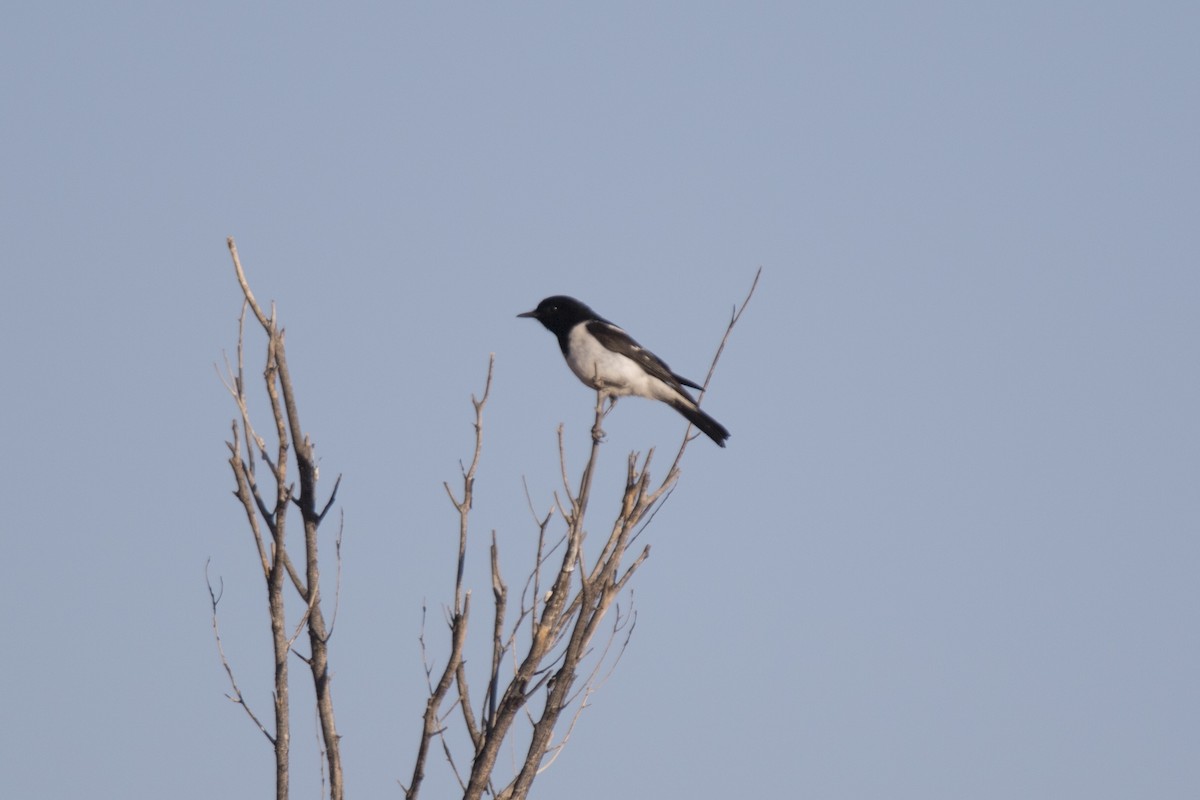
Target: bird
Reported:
[(607, 359)]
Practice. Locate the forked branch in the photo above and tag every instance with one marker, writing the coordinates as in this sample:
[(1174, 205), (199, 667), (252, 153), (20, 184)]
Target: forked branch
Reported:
[(542, 652), (268, 511)]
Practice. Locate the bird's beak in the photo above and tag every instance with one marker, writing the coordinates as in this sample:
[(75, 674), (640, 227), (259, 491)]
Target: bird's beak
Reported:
[(532, 314)]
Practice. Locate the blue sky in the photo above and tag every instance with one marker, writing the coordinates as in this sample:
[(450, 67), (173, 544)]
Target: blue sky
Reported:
[(951, 550)]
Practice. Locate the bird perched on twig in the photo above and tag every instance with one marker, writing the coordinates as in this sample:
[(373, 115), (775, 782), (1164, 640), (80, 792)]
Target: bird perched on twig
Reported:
[(608, 359)]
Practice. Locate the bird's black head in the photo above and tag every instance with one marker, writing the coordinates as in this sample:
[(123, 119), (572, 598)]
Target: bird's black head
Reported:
[(560, 313)]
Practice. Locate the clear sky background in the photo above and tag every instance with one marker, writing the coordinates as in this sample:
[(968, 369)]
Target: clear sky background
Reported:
[(952, 548)]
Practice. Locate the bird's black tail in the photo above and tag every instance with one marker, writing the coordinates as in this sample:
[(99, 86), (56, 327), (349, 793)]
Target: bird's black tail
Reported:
[(711, 428)]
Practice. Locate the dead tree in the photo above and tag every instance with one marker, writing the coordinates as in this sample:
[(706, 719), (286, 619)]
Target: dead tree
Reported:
[(545, 663), (267, 508), (549, 646)]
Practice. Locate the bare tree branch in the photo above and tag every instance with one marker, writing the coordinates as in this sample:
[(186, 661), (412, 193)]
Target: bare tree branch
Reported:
[(458, 616), (275, 560), (712, 367), (237, 697)]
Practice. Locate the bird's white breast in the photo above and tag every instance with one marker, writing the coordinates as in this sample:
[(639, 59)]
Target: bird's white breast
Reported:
[(601, 368)]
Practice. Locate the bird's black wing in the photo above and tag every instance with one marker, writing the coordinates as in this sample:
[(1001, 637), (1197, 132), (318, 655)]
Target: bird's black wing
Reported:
[(619, 341)]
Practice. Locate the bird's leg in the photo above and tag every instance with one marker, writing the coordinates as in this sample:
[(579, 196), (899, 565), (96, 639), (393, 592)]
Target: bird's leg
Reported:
[(601, 413)]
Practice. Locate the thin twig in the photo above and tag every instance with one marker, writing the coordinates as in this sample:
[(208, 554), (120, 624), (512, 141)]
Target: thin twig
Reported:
[(267, 324), (236, 697), (712, 368)]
